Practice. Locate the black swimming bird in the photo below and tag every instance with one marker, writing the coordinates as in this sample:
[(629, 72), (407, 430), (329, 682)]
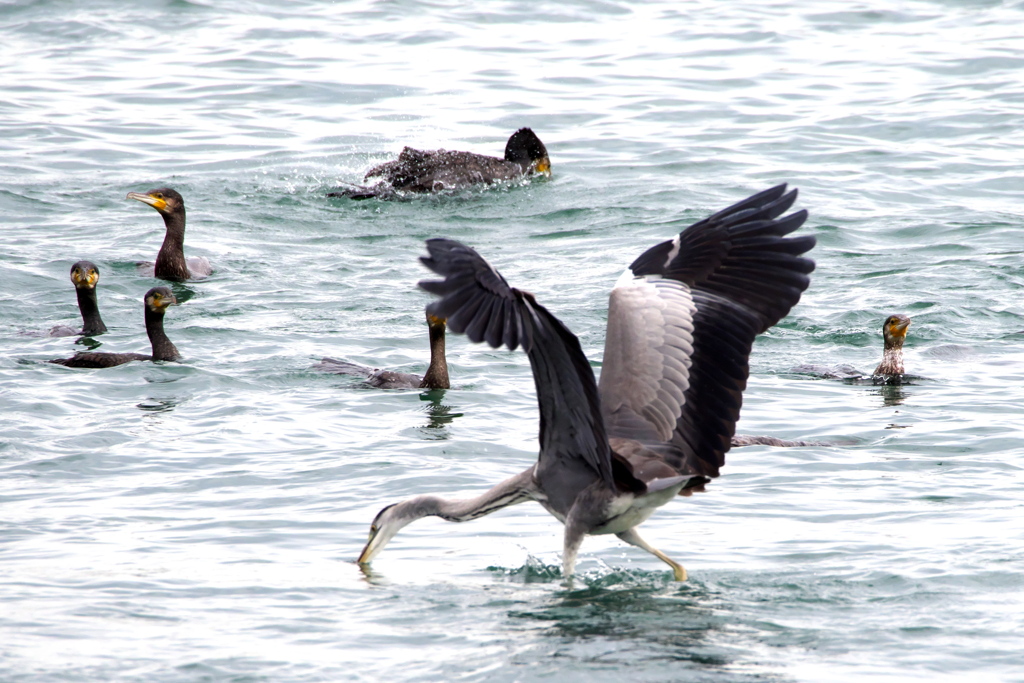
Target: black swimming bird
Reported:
[(170, 261), (681, 323), (84, 276), (156, 302), (894, 333), (436, 376), (419, 171)]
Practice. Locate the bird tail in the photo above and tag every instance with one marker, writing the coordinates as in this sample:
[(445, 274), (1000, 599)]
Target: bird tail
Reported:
[(688, 481)]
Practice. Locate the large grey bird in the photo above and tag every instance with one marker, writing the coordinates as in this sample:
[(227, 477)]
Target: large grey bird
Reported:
[(681, 323)]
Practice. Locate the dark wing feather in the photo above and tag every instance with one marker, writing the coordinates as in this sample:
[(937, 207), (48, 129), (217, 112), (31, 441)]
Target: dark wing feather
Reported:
[(477, 300), (742, 275)]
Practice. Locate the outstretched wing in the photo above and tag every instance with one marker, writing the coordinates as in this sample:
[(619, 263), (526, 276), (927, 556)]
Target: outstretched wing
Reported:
[(682, 321), (477, 300)]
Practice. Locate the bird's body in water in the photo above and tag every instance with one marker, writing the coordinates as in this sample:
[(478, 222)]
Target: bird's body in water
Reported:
[(894, 333), (436, 376), (739, 440), (84, 276), (889, 371), (418, 171), (171, 263), (156, 302), (681, 323)]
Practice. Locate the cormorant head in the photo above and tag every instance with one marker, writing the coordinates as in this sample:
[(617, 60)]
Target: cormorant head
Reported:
[(526, 149), (159, 298), (894, 329), (163, 199), (85, 275), (385, 525), (434, 322)]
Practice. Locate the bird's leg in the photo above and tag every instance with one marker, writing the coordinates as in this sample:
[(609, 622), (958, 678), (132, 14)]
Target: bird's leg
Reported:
[(587, 512), (631, 537), (574, 534)]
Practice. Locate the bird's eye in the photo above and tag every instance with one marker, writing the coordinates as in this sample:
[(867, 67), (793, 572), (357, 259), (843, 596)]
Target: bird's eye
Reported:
[(158, 195), (373, 528)]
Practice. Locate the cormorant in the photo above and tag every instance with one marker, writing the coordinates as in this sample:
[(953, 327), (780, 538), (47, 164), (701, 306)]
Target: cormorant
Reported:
[(889, 371), (84, 276), (420, 171), (681, 323), (436, 376), (170, 261), (894, 333), (156, 302)]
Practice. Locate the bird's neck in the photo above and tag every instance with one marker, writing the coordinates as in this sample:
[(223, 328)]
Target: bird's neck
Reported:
[(91, 321), (436, 376), (892, 360), (894, 343), (170, 262), (517, 489), (163, 349)]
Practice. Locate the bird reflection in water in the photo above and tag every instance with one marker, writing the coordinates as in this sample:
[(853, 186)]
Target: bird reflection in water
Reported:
[(158, 405), (371, 577), (182, 292), (631, 622), (89, 343), (439, 415), (892, 394)]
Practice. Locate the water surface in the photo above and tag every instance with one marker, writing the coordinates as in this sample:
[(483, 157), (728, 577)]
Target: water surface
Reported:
[(199, 521)]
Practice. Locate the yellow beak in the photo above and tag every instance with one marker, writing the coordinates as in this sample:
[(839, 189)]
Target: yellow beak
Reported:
[(156, 203)]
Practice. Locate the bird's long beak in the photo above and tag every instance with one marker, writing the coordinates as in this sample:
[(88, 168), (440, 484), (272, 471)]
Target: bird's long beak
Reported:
[(379, 537), (370, 550), (158, 204), (364, 557), (162, 302)]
